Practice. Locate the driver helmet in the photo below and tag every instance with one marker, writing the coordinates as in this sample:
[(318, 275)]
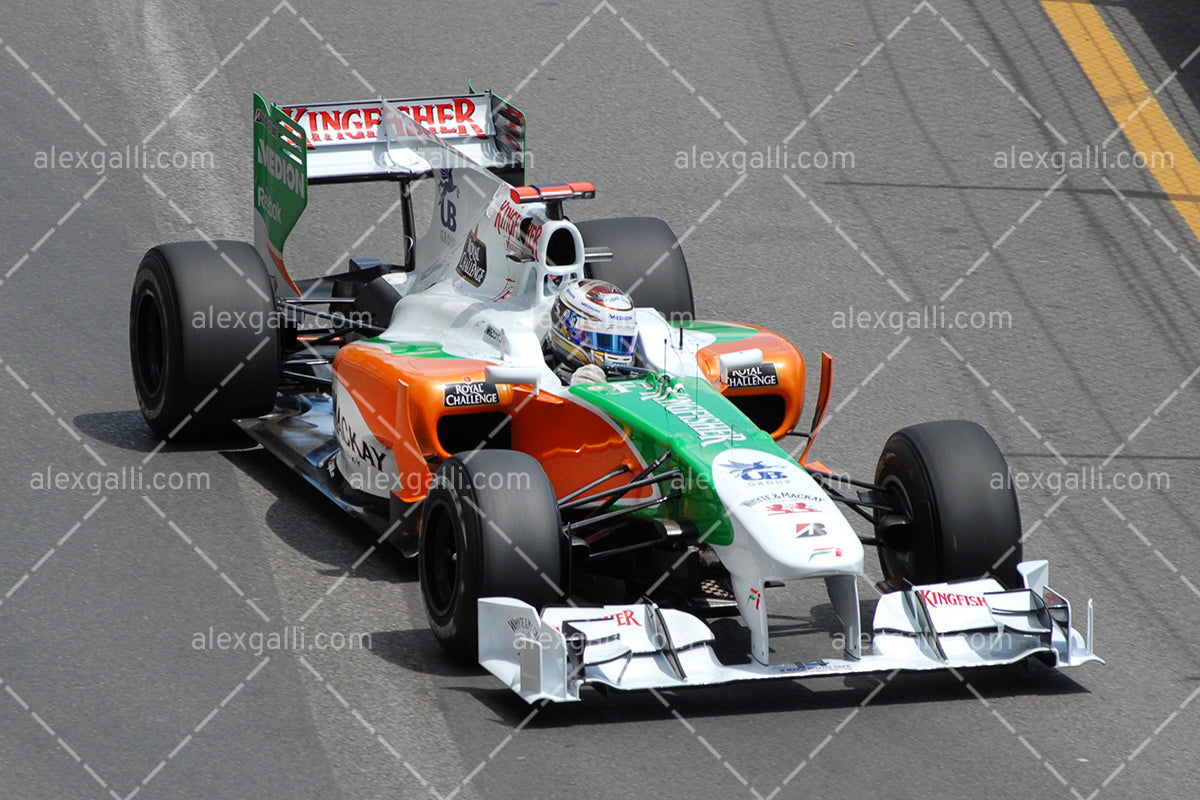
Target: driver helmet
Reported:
[(593, 322)]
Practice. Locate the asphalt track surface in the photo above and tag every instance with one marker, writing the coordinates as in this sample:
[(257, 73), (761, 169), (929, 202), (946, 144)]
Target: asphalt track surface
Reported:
[(1085, 376)]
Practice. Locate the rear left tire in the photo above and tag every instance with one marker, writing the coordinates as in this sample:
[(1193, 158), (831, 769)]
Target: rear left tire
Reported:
[(203, 340)]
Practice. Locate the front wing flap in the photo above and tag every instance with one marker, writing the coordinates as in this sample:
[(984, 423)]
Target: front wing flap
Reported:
[(978, 623)]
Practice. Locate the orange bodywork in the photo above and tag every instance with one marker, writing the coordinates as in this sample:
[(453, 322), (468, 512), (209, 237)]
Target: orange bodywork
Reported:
[(402, 399), (789, 365)]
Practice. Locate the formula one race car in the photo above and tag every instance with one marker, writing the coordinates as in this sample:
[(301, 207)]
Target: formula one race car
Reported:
[(574, 523)]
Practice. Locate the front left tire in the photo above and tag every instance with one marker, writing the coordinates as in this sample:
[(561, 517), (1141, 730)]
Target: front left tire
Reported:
[(490, 527)]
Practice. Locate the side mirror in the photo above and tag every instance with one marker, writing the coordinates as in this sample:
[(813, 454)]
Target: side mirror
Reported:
[(729, 362), (515, 375)]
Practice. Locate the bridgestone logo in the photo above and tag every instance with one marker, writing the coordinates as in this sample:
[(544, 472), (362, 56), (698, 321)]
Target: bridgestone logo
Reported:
[(281, 169)]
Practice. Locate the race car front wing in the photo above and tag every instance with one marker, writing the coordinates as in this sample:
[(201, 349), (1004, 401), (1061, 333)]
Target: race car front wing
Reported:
[(938, 626)]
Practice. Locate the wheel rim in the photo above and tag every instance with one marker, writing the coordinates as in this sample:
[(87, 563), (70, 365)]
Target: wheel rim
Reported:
[(441, 560), (150, 341), (899, 561)]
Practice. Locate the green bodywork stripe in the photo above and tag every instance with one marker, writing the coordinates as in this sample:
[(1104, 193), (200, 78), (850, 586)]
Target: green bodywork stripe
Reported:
[(696, 423), (412, 349), (723, 331)]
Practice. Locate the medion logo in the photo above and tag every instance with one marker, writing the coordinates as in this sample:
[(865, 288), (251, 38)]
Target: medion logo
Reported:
[(281, 169)]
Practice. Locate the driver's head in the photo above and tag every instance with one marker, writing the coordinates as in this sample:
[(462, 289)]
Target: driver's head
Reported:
[(593, 322)]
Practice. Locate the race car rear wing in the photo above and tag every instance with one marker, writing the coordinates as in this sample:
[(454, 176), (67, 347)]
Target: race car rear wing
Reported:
[(368, 140)]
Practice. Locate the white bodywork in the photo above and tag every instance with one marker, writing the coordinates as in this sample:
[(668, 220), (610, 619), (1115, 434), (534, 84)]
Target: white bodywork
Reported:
[(959, 625)]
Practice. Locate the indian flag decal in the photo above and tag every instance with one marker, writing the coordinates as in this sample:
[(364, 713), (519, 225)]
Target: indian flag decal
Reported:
[(836, 552)]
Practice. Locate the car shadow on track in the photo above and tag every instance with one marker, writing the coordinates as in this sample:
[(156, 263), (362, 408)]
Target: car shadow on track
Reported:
[(128, 431), (300, 516), (313, 526), (417, 650)]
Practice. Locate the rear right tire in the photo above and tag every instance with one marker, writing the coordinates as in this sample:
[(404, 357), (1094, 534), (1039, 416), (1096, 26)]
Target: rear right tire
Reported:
[(647, 263)]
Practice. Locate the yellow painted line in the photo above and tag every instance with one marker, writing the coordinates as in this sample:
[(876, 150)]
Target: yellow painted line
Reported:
[(1131, 103)]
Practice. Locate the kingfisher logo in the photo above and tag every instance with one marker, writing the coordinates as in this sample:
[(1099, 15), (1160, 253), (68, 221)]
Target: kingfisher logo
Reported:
[(935, 599)]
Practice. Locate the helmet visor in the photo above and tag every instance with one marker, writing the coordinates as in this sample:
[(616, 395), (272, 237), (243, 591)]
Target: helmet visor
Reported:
[(617, 344)]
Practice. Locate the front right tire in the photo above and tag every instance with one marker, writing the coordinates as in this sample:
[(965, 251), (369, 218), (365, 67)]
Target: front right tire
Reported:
[(953, 483)]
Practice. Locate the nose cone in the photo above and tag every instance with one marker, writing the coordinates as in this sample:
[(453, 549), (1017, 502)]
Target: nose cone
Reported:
[(785, 526)]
